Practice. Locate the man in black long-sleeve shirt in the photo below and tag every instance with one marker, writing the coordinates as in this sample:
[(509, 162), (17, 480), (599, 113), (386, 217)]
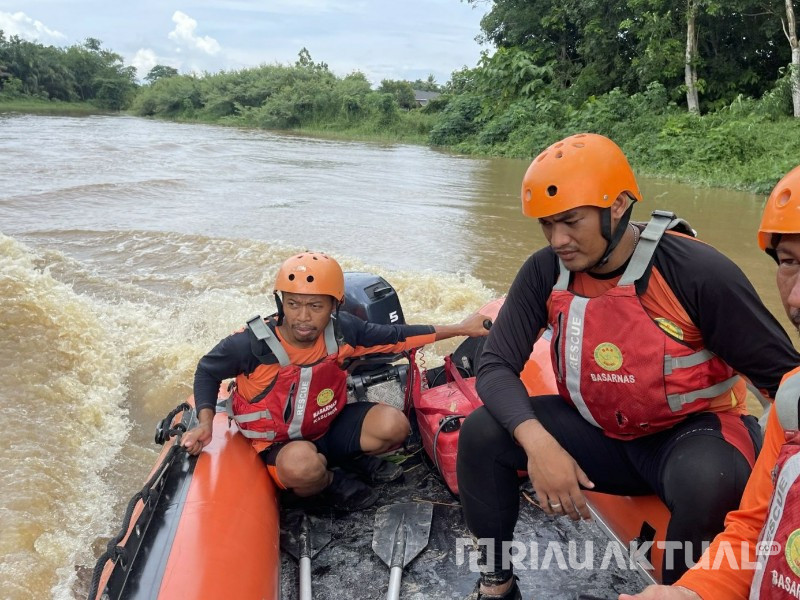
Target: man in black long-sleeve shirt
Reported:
[(650, 329), (289, 393)]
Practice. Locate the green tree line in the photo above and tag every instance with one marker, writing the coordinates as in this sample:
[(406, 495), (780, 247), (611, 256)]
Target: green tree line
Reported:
[(626, 69), (305, 95), (593, 46), (84, 72)]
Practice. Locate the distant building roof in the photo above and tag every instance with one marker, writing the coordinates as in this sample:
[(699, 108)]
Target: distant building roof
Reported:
[(422, 96)]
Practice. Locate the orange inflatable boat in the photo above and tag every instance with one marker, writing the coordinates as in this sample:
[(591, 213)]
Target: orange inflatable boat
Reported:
[(209, 526), (197, 518)]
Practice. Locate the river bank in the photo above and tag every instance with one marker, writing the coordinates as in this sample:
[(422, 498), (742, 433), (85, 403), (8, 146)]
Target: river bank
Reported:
[(36, 106)]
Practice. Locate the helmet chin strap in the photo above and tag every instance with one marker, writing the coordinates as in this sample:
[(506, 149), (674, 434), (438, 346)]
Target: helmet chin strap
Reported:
[(615, 238), (776, 239), (279, 304)]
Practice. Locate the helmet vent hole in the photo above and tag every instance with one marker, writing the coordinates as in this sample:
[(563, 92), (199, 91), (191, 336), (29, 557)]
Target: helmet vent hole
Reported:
[(559, 154), (552, 190), (291, 276), (783, 199), (559, 144), (314, 258), (579, 145), (541, 157), (310, 279)]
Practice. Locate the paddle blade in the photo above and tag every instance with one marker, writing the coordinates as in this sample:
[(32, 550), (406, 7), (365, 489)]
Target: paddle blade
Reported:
[(409, 520), (303, 535)]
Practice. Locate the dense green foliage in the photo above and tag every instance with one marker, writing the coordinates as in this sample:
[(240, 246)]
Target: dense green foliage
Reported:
[(594, 46), (305, 96), (617, 68), (83, 72)]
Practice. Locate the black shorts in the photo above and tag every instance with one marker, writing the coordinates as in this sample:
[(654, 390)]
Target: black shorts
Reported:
[(342, 441)]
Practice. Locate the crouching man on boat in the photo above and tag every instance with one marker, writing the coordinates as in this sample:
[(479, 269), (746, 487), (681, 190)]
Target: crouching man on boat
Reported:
[(650, 330), (758, 554), (290, 392)]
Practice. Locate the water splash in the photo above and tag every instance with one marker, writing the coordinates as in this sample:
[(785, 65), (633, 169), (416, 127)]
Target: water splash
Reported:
[(101, 332)]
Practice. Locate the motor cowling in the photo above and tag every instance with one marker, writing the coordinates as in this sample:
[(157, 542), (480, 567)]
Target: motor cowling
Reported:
[(371, 298)]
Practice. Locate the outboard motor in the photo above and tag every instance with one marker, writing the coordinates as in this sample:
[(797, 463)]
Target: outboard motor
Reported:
[(372, 298), (375, 378)]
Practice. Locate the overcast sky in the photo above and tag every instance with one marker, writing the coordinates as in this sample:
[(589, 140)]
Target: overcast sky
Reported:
[(385, 39)]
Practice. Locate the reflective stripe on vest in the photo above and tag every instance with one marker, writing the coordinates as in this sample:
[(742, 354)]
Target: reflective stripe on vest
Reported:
[(572, 362), (248, 418), (676, 401), (300, 404), (786, 401)]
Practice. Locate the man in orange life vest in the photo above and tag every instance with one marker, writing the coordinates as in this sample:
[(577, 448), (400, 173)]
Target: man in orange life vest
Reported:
[(765, 530), (650, 329), (290, 389)]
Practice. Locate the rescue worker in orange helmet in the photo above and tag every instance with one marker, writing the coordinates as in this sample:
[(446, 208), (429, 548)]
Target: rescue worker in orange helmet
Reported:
[(290, 395), (649, 329), (758, 554)]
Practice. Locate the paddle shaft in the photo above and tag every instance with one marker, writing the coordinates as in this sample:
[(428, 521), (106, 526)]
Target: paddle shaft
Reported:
[(398, 560), (305, 578), (395, 575)]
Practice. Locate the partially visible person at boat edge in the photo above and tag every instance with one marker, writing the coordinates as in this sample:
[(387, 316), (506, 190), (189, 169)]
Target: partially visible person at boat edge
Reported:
[(758, 553), (289, 396), (651, 330)]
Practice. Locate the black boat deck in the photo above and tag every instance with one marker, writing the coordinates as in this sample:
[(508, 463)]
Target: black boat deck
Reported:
[(348, 568)]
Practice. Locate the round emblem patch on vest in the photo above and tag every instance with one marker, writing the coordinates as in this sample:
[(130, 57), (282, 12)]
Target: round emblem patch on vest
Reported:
[(608, 356), (793, 551), (670, 328), (325, 397)]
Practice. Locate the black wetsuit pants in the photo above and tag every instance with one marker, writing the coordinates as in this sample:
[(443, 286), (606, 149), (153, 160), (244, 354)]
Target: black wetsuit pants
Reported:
[(692, 467)]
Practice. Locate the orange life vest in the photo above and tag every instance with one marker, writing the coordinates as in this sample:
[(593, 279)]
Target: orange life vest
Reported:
[(301, 402), (624, 373), (778, 549)]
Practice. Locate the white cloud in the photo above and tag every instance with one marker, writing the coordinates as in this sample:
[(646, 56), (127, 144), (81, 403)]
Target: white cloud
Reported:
[(184, 33), (20, 24), (145, 59)]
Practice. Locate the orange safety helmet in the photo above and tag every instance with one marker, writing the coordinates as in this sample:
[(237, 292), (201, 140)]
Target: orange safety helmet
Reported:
[(782, 212), (585, 169), (311, 273)]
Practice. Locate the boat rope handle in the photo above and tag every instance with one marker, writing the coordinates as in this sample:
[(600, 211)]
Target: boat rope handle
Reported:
[(164, 431), (148, 495)]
